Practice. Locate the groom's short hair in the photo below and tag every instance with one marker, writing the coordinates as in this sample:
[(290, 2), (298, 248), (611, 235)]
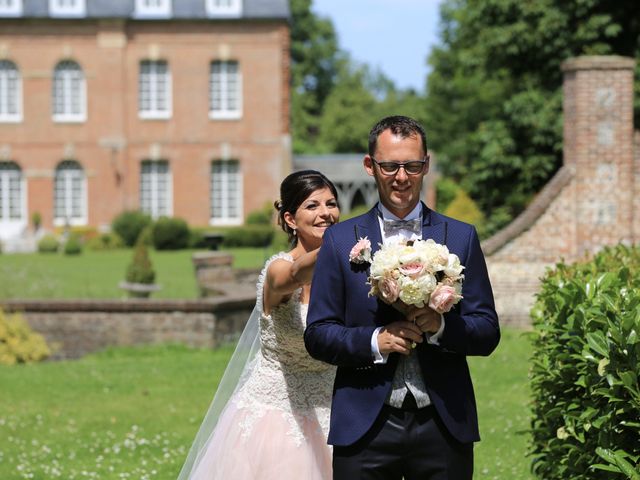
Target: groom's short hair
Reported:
[(399, 125)]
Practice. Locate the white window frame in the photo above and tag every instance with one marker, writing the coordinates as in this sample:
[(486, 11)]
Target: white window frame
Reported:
[(145, 10), (10, 176), (10, 8), (224, 8), (154, 90), (68, 172), (67, 8), (154, 207), (224, 181), (10, 89), (67, 78), (223, 79)]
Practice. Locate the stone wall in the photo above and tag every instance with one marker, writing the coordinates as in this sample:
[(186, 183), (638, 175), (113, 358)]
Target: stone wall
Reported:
[(75, 328), (590, 202)]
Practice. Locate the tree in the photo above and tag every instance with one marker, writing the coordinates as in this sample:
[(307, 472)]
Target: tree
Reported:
[(314, 64), (494, 99), (361, 97)]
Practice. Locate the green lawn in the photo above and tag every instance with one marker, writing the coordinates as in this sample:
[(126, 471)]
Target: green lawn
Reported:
[(97, 274), (131, 413), (502, 394), (123, 414)]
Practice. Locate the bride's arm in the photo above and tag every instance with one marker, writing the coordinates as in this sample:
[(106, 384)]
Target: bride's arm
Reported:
[(284, 277)]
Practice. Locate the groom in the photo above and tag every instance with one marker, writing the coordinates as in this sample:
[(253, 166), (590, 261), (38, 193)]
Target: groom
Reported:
[(399, 412)]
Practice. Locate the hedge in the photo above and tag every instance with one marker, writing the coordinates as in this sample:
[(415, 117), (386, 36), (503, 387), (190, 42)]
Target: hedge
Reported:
[(248, 236), (585, 369)]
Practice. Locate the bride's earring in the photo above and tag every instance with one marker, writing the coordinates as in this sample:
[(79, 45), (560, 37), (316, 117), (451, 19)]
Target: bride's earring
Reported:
[(295, 232)]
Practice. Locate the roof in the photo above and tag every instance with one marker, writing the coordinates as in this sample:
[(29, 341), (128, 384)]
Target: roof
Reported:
[(339, 167), (180, 10)]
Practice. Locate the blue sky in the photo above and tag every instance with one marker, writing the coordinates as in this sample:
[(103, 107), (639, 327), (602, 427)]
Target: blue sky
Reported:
[(393, 35)]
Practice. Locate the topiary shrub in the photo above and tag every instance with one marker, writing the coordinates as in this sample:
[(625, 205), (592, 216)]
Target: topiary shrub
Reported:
[(18, 342), (73, 245), (36, 220), (264, 216), (105, 241), (585, 369), (129, 224), (248, 236), (48, 244), (463, 208), (170, 234), (140, 270)]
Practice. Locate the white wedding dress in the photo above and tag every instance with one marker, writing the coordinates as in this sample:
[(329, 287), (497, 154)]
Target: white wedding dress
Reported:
[(275, 425)]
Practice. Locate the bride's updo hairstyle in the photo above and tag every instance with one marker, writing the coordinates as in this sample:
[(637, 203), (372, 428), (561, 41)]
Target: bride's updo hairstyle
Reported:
[(294, 190)]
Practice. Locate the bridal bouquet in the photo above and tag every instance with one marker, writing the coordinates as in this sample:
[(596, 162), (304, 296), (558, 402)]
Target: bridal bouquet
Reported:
[(419, 273)]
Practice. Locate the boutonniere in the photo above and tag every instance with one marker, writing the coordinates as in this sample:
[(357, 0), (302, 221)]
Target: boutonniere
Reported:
[(361, 251)]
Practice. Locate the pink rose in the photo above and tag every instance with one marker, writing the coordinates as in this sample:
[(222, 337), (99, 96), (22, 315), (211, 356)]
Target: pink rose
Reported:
[(389, 289), (443, 298), (361, 251), (411, 270)]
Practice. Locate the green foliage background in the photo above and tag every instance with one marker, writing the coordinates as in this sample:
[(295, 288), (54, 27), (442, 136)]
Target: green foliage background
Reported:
[(492, 104), (494, 97)]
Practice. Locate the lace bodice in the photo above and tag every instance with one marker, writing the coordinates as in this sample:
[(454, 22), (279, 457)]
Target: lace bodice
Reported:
[(284, 376)]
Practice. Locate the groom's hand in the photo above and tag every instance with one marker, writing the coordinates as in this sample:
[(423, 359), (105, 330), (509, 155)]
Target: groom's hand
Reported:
[(398, 337), (426, 319)]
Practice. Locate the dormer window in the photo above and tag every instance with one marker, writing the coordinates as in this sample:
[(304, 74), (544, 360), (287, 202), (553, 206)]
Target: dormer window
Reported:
[(153, 8), (67, 8), (10, 8), (224, 8)]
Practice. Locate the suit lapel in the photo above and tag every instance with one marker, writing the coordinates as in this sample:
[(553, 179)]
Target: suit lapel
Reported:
[(370, 227), (433, 227)]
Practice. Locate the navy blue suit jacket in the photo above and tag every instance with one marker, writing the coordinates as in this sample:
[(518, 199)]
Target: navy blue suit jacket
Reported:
[(342, 318)]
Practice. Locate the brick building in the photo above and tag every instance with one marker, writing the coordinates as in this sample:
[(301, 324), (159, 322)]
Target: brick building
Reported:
[(591, 202), (176, 107)]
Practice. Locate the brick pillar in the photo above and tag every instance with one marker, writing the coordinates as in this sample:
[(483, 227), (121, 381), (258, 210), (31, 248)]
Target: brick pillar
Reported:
[(598, 143), (636, 192)]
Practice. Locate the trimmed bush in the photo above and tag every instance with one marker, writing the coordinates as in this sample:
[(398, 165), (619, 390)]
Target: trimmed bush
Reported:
[(129, 224), (18, 342), (36, 220), (196, 237), (170, 234), (248, 236), (585, 369), (140, 270), (264, 216), (73, 245), (84, 232), (48, 244), (105, 241), (463, 208), (280, 241)]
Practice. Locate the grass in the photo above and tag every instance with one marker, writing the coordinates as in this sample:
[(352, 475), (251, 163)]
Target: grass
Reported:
[(96, 275), (131, 413), (502, 394), (127, 413)]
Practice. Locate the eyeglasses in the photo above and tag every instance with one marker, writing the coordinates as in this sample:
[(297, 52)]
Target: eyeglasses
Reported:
[(414, 167)]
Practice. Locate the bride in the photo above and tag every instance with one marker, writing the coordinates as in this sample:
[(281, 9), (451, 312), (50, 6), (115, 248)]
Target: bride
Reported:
[(270, 416)]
